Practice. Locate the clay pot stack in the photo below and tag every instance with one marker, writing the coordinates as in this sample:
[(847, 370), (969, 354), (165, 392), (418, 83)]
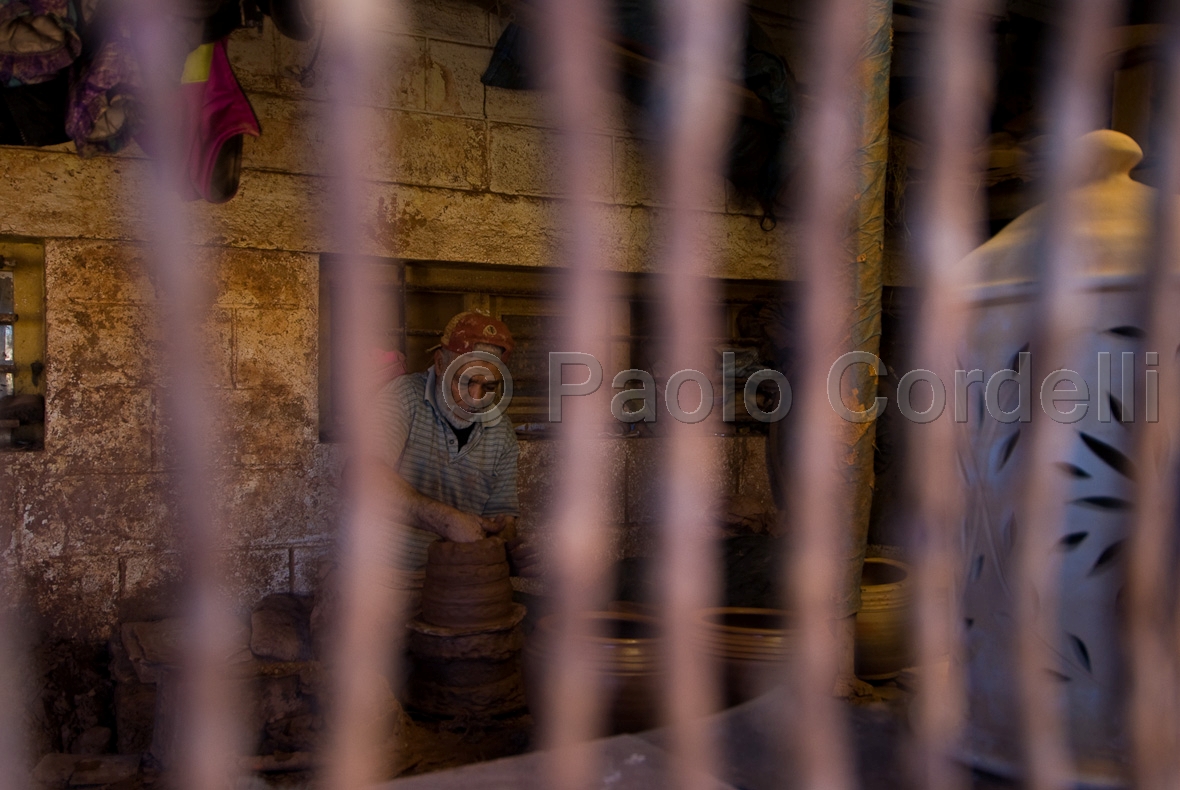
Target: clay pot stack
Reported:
[(624, 649), (465, 646)]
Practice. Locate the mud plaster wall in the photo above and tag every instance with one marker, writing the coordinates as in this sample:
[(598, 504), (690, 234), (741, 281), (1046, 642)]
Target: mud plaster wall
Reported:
[(464, 175)]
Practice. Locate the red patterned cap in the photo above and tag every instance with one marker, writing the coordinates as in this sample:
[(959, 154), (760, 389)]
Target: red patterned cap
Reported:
[(465, 330)]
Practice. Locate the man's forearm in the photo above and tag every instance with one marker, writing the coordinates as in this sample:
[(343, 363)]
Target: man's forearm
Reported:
[(416, 508)]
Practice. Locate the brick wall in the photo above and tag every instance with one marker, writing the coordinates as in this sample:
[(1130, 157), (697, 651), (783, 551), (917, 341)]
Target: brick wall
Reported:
[(465, 174)]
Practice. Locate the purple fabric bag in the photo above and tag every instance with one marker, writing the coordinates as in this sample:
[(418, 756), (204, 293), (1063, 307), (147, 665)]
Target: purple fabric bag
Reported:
[(38, 38)]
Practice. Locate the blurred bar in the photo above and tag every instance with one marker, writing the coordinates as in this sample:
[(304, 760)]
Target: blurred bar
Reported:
[(1151, 584), (958, 70), (369, 636), (202, 752), (1075, 109), (573, 54), (702, 46), (816, 735)]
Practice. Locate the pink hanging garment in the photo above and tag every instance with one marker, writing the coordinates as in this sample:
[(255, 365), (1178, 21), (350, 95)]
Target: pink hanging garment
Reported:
[(218, 114)]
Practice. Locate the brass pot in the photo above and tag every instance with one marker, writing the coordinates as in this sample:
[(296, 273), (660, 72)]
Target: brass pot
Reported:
[(882, 642), (752, 644), (624, 649)]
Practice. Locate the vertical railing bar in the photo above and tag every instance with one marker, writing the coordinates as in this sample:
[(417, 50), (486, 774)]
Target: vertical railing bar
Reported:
[(12, 737), (1152, 592), (370, 632), (957, 68), (817, 736), (573, 37), (204, 752), (1074, 110), (701, 50)]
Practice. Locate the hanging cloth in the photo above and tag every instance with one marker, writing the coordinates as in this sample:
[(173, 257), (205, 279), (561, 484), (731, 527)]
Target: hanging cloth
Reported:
[(104, 109), (38, 38), (217, 115)]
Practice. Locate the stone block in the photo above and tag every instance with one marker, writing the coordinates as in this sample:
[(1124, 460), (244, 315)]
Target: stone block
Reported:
[(102, 345), (100, 429), (636, 176), (149, 585), (267, 427), (135, 715), (83, 271), (451, 20), (436, 224), (402, 72), (55, 769), (271, 506), (434, 150), (219, 349), (251, 574), (272, 211), (280, 628), (261, 278), (252, 56), (309, 564), (515, 106), (54, 195), (293, 138), (74, 596), (109, 514), (647, 469), (525, 160), (453, 73), (276, 349)]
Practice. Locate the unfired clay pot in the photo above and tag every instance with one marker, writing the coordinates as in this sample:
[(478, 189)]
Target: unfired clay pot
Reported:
[(467, 584)]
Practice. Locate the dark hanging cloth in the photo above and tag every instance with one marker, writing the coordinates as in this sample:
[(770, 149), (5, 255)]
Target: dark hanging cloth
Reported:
[(760, 154), (104, 108), (38, 38), (34, 114)]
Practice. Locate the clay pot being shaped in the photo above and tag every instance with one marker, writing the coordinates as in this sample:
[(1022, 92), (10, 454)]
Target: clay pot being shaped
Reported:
[(752, 644), (624, 649), (882, 644), (467, 584)]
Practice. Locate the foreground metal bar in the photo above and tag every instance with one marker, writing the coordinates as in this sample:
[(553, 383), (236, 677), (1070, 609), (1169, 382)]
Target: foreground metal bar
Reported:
[(957, 71), (1151, 584), (1075, 110), (369, 633), (703, 43), (203, 754), (572, 32)]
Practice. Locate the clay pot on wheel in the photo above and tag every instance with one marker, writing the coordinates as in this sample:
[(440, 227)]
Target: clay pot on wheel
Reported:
[(624, 649), (753, 645), (882, 644), (467, 584)]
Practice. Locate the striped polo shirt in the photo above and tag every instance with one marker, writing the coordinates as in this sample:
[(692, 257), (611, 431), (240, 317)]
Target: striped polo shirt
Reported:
[(480, 478)]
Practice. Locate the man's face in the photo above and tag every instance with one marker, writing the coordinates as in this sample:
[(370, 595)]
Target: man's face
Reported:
[(485, 383)]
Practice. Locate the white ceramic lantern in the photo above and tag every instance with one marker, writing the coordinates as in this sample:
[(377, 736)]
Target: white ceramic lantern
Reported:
[(1112, 219)]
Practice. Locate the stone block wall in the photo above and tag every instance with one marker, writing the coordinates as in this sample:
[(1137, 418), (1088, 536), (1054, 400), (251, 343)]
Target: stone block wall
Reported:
[(463, 173)]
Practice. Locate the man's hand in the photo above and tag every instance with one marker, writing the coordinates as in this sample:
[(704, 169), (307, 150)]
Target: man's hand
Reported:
[(463, 527), (524, 558), (502, 525)]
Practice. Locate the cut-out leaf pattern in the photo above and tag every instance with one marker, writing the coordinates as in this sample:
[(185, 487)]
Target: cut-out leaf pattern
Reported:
[(1008, 533), (1127, 331), (1103, 502), (1107, 557), (1006, 450), (1116, 408), (1072, 470), (1080, 650), (977, 568), (1111, 456), (1073, 540)]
